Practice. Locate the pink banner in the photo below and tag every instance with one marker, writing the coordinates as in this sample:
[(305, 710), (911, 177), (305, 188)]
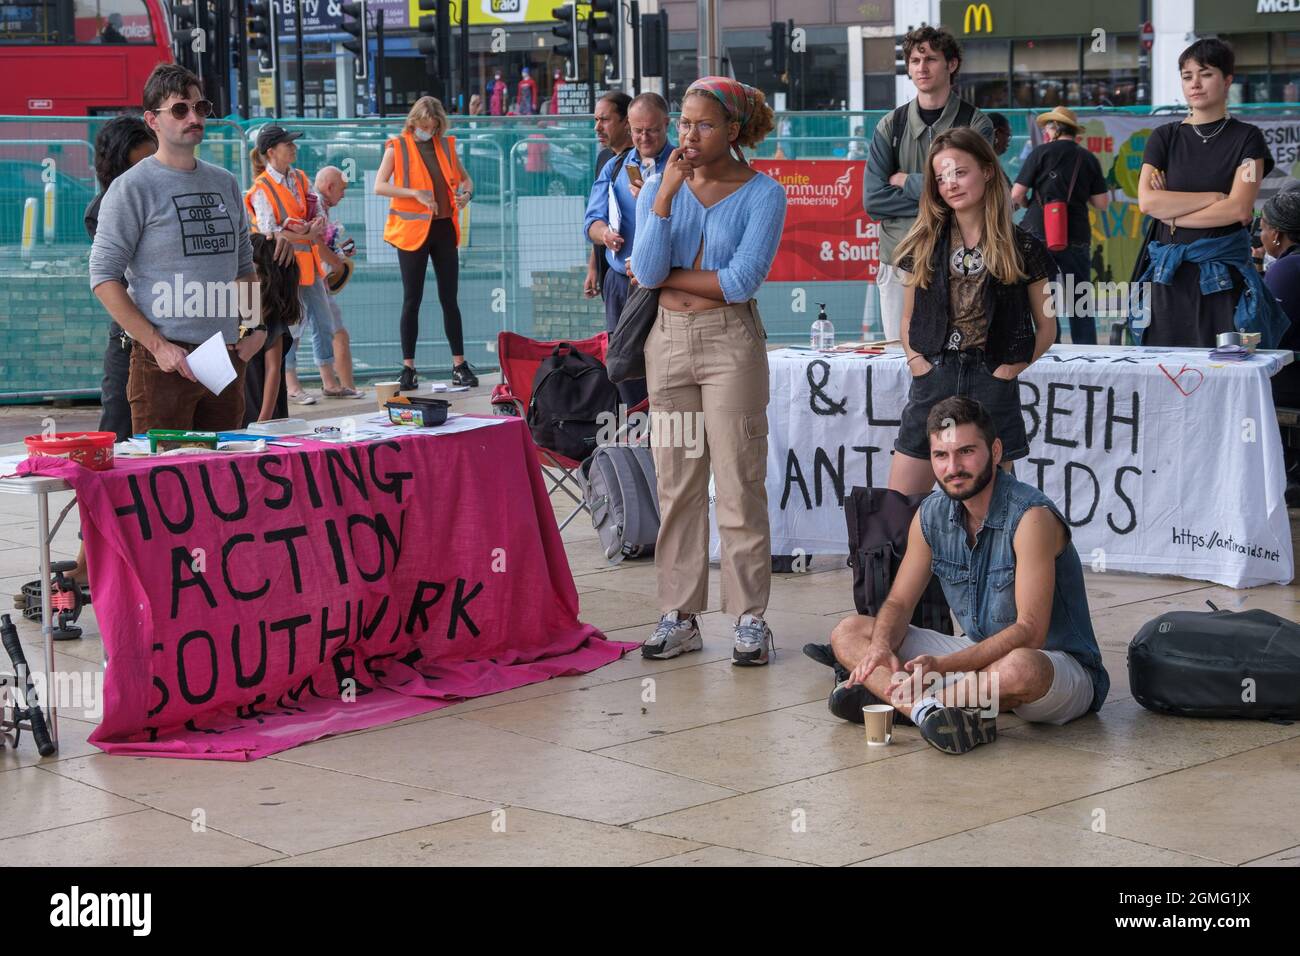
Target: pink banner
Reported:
[(250, 603)]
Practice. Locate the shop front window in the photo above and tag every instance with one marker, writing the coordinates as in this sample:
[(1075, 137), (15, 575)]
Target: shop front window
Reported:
[(1045, 73), (878, 89), (1284, 79), (983, 76), (1250, 77), (1110, 76)]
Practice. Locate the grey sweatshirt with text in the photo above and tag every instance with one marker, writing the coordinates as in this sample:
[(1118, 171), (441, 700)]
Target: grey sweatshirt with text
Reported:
[(179, 238)]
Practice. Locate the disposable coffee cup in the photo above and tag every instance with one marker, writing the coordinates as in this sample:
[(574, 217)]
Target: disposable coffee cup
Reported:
[(878, 720), (385, 392)]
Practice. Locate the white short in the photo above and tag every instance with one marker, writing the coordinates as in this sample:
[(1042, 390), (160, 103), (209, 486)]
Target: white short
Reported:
[(889, 282), (1070, 695)]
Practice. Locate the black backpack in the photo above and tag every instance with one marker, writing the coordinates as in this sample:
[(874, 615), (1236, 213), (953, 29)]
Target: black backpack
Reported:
[(1242, 664), (879, 520), (571, 392)]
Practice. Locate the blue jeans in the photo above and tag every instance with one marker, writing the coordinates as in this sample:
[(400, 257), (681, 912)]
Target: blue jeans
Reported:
[(320, 321), (1075, 261)]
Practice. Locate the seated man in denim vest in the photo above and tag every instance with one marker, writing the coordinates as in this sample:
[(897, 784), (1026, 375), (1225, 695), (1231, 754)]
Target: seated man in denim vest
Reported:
[(1003, 554)]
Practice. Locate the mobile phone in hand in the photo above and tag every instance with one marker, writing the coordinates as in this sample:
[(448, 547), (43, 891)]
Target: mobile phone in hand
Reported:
[(634, 174)]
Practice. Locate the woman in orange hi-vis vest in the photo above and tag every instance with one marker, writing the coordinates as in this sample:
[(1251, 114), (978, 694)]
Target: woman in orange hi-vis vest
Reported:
[(428, 186)]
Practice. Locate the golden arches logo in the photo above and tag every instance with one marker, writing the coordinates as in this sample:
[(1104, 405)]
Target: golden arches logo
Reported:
[(981, 14)]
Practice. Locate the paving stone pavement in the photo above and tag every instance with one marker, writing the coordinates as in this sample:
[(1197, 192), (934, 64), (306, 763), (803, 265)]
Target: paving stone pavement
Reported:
[(689, 762)]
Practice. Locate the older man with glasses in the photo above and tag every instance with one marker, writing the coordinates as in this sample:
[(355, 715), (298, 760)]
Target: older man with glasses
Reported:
[(167, 225), (611, 211)]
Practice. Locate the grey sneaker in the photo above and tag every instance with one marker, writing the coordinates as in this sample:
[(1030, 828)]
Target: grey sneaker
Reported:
[(673, 635), (753, 642), (957, 730)]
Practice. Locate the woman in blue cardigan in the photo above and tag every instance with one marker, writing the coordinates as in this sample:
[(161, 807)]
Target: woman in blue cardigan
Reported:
[(707, 231)]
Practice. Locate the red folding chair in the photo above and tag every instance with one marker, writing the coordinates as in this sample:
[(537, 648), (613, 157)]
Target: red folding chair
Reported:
[(520, 357)]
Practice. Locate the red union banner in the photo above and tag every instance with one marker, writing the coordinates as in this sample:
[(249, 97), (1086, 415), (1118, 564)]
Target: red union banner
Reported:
[(828, 236)]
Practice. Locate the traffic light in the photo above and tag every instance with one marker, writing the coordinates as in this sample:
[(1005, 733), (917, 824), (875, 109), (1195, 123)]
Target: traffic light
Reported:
[(605, 33), (566, 31), (435, 38), (260, 30), (780, 47), (184, 19), (354, 24), (654, 44)]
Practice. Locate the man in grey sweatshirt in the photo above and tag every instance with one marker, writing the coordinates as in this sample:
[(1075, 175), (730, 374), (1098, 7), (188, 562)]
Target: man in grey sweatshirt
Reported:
[(172, 263), (895, 171)]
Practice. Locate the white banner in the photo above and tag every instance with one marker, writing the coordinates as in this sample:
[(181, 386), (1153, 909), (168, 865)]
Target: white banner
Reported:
[(1162, 461)]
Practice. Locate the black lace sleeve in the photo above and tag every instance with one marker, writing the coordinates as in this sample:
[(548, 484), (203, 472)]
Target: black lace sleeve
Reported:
[(1035, 260)]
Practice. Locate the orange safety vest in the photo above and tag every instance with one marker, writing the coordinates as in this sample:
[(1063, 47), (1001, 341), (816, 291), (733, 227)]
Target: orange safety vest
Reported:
[(287, 206), (409, 220), (248, 205)]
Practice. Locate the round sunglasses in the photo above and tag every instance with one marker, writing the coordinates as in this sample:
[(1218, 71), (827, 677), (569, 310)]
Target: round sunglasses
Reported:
[(202, 109)]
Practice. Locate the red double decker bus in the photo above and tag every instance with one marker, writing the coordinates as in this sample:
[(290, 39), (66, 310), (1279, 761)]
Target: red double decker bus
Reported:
[(79, 57)]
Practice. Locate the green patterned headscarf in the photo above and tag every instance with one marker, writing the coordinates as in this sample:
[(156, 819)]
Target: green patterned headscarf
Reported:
[(739, 100)]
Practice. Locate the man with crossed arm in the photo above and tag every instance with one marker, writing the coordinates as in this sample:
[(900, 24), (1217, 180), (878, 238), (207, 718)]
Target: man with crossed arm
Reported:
[(1012, 577)]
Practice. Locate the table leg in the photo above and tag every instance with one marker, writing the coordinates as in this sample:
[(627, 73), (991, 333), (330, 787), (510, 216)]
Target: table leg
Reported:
[(47, 627)]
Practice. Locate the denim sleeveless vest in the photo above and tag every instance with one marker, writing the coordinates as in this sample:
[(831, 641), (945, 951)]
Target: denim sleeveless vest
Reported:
[(979, 581)]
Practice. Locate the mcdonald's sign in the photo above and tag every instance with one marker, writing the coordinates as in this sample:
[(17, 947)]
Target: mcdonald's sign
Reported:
[(979, 16)]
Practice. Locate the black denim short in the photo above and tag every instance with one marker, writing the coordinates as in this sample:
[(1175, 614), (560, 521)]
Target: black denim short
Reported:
[(962, 373)]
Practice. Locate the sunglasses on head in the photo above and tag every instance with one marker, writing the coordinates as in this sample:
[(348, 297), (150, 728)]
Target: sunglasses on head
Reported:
[(202, 109)]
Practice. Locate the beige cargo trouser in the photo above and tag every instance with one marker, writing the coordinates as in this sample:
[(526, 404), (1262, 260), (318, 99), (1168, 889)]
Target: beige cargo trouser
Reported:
[(707, 376)]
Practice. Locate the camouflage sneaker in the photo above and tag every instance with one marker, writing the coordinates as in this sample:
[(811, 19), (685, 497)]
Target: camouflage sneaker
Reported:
[(955, 730), (753, 642), (673, 635)]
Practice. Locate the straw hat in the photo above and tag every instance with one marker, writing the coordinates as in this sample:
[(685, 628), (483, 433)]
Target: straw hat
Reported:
[(1061, 114), (338, 278)]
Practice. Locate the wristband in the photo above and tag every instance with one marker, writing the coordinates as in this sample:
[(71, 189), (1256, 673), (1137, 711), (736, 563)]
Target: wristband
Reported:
[(914, 358)]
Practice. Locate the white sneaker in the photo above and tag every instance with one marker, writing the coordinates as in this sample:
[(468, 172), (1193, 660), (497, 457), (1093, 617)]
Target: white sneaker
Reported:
[(754, 643), (673, 635)]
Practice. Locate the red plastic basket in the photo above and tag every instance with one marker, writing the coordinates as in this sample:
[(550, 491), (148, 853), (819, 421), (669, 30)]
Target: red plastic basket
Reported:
[(92, 449)]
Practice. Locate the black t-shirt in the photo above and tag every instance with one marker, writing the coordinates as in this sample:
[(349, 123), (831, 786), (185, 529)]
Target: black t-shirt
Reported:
[(1047, 173), (1192, 166), (604, 156), (929, 117)]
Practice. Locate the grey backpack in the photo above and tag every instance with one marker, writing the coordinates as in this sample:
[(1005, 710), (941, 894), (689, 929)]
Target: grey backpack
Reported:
[(619, 489)]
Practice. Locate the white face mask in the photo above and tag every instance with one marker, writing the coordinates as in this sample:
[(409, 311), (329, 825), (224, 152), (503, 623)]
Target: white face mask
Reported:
[(423, 135)]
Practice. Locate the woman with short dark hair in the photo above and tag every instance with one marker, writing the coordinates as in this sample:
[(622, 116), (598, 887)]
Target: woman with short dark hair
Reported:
[(1199, 179)]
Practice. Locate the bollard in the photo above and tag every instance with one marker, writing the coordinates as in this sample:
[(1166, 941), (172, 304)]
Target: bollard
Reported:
[(29, 226), (50, 219)]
